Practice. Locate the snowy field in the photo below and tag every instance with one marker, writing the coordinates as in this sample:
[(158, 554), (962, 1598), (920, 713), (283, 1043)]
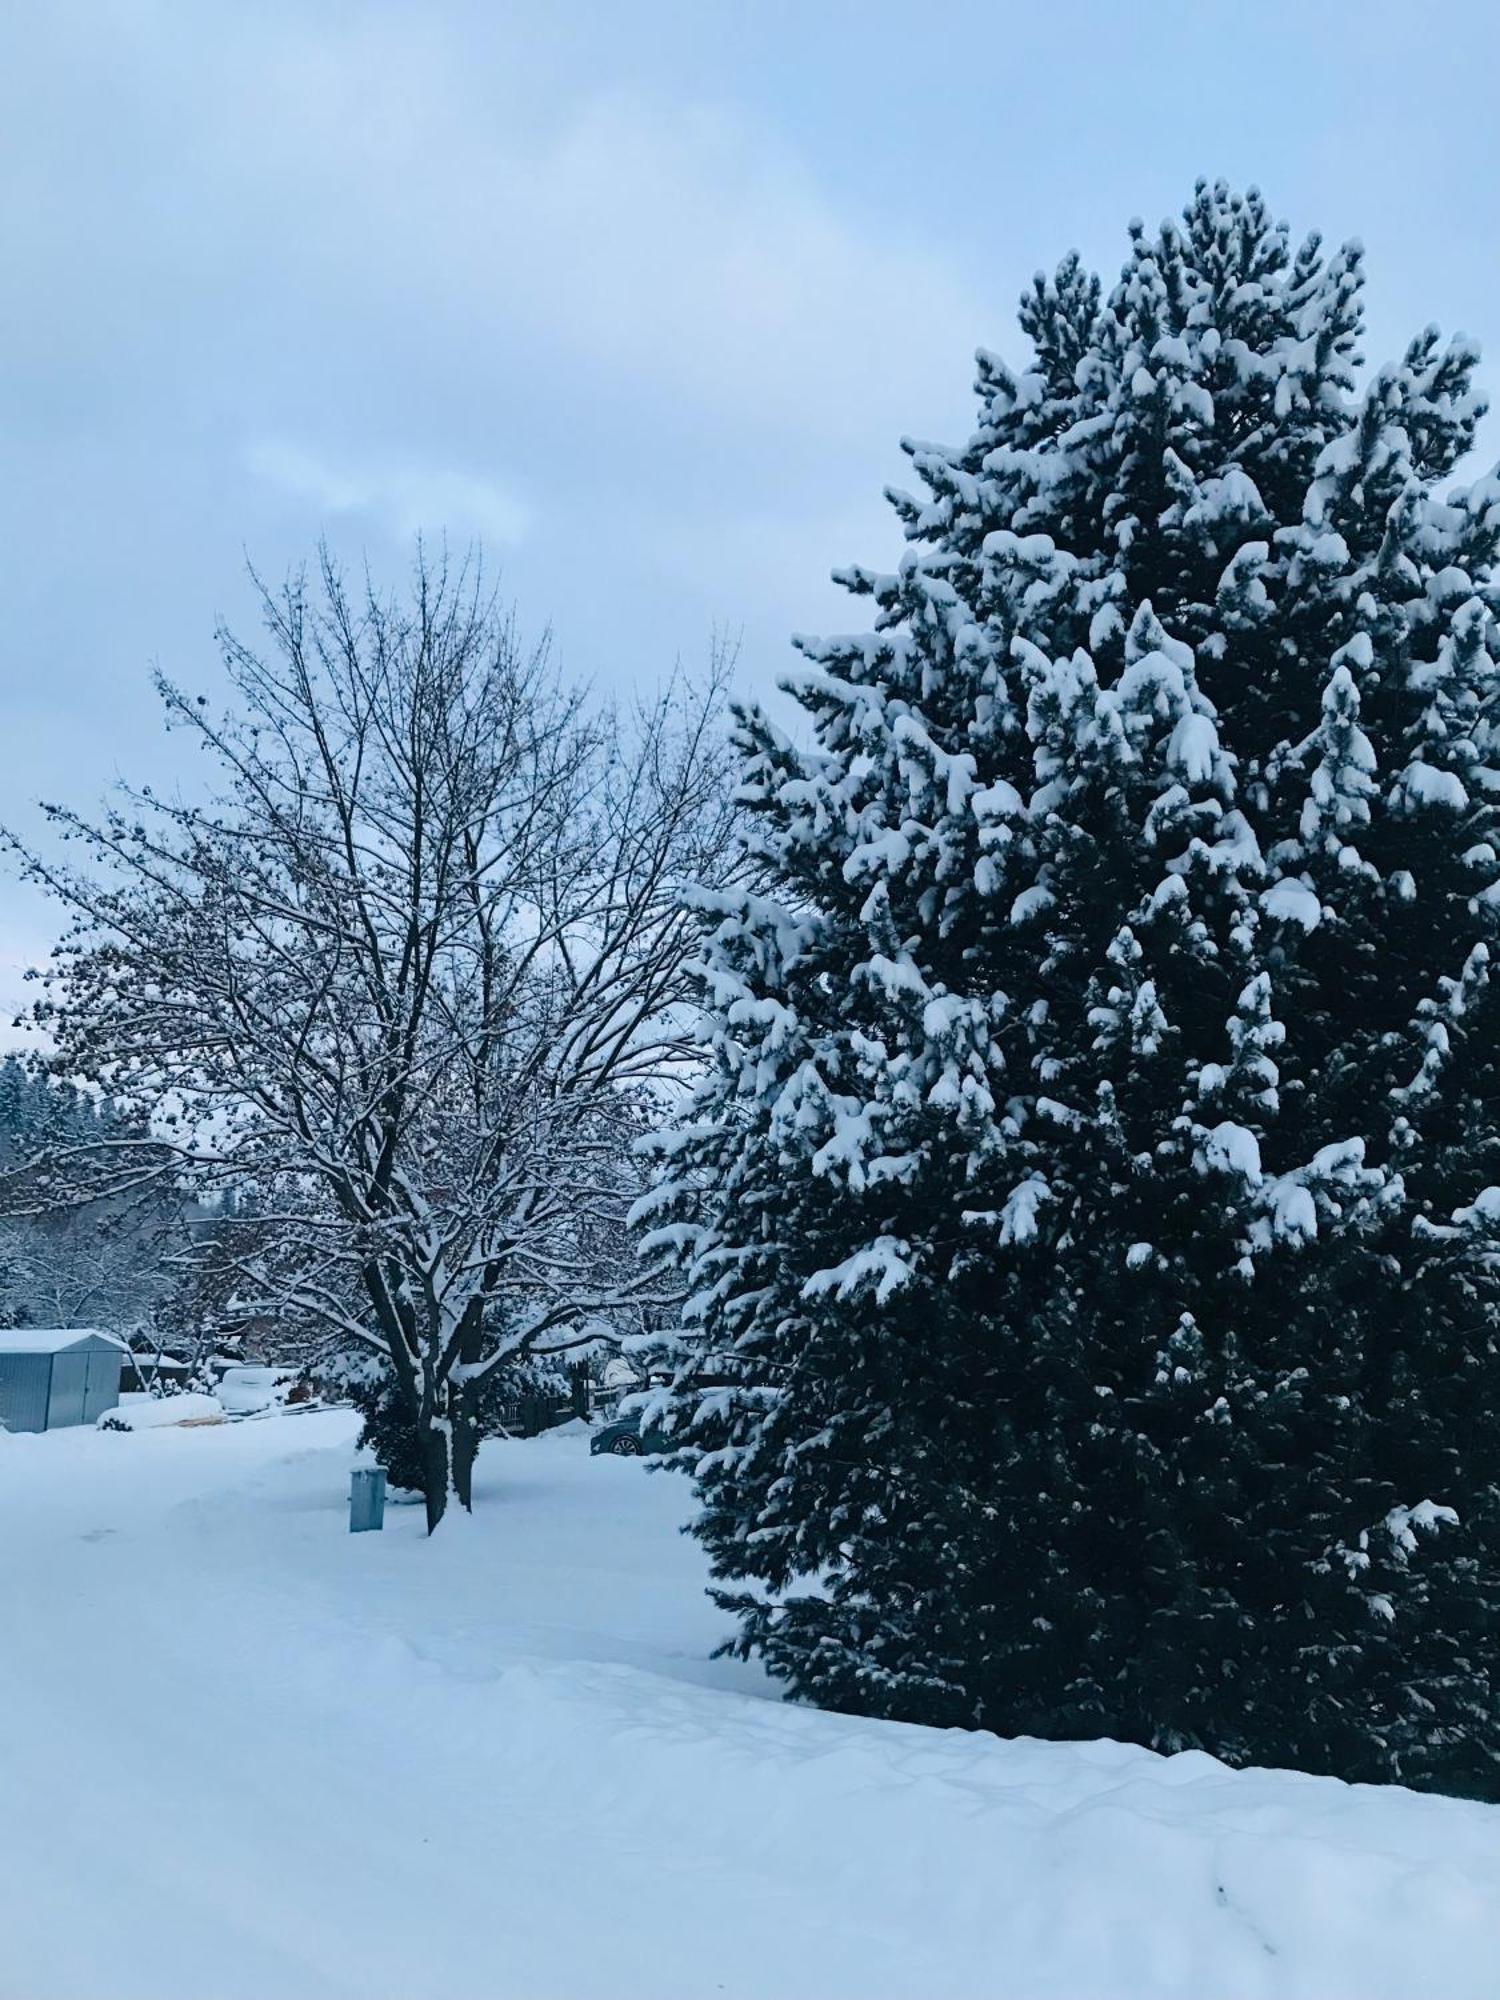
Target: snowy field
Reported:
[(246, 1756)]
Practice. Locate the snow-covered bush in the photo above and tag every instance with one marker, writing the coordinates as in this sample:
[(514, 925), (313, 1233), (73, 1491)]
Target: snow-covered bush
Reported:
[(389, 1433)]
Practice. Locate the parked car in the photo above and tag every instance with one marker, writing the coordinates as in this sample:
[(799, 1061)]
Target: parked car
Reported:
[(625, 1438), (245, 1389)]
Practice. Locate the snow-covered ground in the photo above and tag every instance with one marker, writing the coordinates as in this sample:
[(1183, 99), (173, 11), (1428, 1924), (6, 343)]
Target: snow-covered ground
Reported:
[(247, 1756)]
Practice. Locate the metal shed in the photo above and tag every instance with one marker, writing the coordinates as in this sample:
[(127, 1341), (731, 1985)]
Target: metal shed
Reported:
[(56, 1375)]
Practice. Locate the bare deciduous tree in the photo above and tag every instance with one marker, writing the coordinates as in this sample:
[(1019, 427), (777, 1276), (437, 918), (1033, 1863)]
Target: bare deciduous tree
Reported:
[(78, 1268), (408, 978)]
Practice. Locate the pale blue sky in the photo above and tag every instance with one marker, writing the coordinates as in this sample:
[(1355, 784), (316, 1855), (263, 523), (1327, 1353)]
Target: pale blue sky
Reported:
[(641, 293)]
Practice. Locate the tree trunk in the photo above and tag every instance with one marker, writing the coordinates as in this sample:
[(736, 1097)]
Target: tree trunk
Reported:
[(465, 1451), (434, 1440), (449, 1444)]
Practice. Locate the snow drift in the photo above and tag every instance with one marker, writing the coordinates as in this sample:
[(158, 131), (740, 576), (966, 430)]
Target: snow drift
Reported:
[(256, 1758)]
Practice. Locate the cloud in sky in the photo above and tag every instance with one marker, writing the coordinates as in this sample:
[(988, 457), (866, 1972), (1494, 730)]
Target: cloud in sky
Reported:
[(404, 498), (640, 292), (336, 197), (678, 252)]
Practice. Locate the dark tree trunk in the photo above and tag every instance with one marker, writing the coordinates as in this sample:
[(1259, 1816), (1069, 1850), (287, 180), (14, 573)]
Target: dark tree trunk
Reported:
[(449, 1441), (434, 1473), (443, 1412), (465, 1451)]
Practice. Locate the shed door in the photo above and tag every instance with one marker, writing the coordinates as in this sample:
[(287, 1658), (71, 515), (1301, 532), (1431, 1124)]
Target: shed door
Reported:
[(23, 1391), (69, 1380), (102, 1388)]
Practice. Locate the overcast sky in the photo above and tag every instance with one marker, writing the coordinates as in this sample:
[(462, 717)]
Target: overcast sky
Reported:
[(641, 294)]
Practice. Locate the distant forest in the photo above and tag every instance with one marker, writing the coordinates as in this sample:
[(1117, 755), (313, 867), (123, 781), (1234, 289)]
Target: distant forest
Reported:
[(95, 1265)]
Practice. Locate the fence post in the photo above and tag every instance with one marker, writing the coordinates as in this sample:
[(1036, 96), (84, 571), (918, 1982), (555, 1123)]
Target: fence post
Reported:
[(366, 1499)]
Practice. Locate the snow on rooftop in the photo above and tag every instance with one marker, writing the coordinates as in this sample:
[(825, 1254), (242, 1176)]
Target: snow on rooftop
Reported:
[(50, 1339)]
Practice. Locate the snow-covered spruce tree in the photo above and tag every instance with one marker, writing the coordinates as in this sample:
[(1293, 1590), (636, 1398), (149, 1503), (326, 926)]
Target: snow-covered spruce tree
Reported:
[(1091, 1211)]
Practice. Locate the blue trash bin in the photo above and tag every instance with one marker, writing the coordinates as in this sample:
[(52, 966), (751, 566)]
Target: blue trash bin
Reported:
[(366, 1499)]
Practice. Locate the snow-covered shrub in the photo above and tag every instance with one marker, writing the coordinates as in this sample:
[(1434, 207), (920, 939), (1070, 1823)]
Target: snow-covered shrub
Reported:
[(389, 1433)]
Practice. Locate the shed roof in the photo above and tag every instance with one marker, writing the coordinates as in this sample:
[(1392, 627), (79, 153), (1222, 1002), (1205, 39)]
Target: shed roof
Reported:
[(52, 1339)]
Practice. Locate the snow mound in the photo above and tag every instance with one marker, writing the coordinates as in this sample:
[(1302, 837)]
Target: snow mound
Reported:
[(146, 1413)]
